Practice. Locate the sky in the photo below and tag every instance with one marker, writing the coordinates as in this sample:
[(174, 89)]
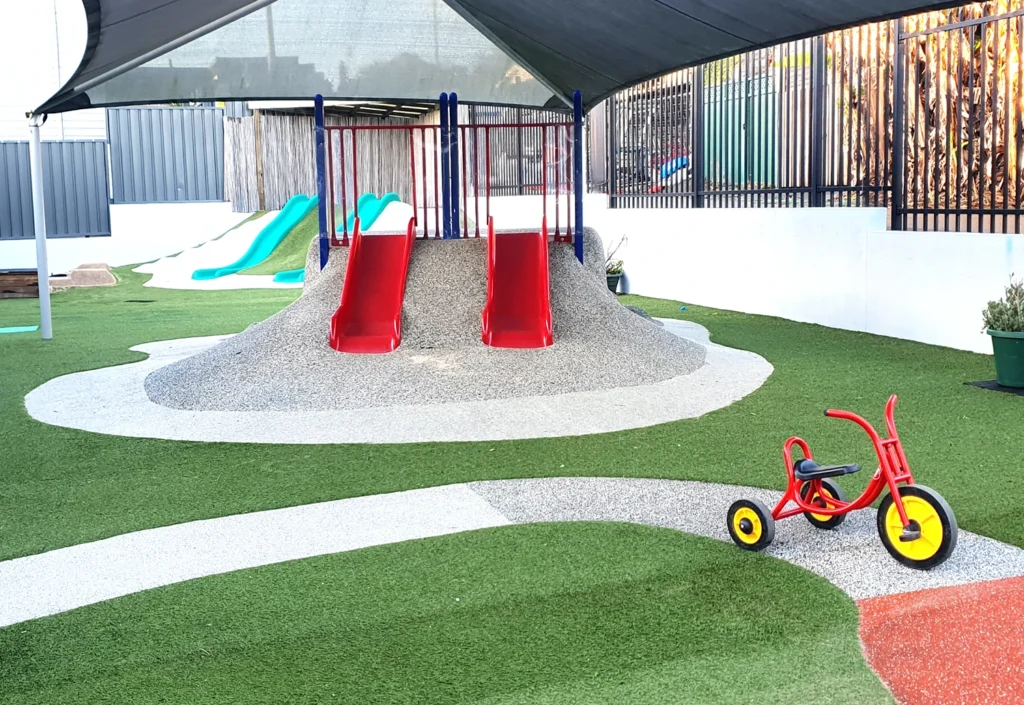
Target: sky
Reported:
[(33, 67)]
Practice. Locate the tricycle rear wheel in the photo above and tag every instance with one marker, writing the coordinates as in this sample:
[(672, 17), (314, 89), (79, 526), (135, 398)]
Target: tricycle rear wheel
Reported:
[(831, 490), (930, 516)]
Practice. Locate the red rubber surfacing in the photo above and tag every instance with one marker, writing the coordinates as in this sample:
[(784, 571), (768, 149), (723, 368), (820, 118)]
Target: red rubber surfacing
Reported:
[(961, 645)]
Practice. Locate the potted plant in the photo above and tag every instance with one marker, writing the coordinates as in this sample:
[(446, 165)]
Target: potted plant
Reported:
[(613, 267), (1004, 321)]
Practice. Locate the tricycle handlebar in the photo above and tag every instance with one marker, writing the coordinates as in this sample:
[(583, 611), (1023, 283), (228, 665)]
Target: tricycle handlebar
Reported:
[(890, 422)]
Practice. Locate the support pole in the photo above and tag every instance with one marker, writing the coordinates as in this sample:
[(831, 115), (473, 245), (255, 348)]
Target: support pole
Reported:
[(35, 158), (453, 128), (258, 132), (321, 180), (446, 186), (697, 147), (818, 107), (899, 94), (577, 170)]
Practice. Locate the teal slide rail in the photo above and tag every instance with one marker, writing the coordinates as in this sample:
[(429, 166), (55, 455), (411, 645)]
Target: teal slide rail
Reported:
[(269, 238), (370, 208)]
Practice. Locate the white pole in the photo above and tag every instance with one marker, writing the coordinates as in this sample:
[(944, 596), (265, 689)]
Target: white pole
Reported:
[(35, 158)]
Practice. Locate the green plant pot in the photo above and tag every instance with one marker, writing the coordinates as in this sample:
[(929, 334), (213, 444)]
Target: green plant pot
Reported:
[(613, 282), (1009, 354)]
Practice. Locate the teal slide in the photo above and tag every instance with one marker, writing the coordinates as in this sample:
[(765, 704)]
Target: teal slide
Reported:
[(269, 238), (370, 208)]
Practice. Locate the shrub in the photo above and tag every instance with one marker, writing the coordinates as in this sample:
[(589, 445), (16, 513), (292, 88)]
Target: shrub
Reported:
[(1007, 314), (614, 266)]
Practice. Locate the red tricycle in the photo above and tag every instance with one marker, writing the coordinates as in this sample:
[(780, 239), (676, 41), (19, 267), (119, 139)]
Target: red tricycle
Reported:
[(915, 523)]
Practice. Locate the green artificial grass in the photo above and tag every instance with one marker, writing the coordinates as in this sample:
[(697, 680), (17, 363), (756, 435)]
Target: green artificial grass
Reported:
[(578, 613), (291, 253), (60, 487)]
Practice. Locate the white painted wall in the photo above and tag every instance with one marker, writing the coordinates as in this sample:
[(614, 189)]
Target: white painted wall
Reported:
[(41, 45), (836, 267), (932, 287), (528, 211), (140, 233), (803, 264)]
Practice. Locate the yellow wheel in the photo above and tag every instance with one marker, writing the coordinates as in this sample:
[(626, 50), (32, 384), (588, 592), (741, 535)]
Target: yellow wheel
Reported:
[(751, 524), (932, 534), (831, 490)]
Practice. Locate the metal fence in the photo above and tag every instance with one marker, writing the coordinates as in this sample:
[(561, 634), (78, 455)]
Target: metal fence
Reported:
[(75, 189), (961, 125), (166, 155), (517, 154), (923, 116)]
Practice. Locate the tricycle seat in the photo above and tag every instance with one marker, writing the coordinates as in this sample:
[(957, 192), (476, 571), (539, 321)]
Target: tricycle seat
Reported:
[(806, 470)]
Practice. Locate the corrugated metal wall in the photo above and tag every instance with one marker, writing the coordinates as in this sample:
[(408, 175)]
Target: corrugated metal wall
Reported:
[(166, 155), (76, 195)]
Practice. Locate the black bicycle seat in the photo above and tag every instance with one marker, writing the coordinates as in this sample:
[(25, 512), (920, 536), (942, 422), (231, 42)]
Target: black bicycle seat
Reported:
[(805, 470)]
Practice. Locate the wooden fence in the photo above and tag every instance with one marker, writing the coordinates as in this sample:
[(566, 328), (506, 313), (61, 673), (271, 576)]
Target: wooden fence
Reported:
[(287, 158)]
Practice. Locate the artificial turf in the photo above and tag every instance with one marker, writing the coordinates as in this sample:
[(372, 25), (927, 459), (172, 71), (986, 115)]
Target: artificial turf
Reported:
[(60, 487), (291, 252), (542, 614)]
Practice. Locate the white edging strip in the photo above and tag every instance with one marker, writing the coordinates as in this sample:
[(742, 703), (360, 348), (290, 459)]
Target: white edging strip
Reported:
[(851, 557), (113, 401), (61, 580)]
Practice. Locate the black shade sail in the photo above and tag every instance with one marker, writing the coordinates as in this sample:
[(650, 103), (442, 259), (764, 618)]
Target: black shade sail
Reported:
[(512, 52)]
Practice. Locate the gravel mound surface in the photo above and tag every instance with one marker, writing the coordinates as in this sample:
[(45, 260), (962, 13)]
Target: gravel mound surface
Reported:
[(285, 362)]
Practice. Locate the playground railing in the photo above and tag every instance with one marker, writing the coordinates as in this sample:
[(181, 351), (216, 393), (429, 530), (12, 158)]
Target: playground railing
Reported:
[(422, 181), (417, 183)]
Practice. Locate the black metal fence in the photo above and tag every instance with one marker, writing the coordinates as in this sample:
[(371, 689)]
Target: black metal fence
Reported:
[(923, 116)]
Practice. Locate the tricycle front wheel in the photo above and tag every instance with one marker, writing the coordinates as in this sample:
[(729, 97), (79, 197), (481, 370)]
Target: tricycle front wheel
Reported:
[(751, 524), (932, 534)]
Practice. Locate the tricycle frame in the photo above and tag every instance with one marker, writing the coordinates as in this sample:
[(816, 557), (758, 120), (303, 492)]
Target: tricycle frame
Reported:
[(893, 470)]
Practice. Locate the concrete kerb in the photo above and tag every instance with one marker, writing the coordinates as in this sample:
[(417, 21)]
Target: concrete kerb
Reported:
[(113, 401), (851, 557)]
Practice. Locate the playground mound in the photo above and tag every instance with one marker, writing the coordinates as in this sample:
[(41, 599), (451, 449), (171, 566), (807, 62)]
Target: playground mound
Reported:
[(285, 362)]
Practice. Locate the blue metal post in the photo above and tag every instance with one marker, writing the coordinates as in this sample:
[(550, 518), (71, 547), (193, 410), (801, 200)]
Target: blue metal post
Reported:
[(453, 126), (446, 194), (577, 170), (321, 178)]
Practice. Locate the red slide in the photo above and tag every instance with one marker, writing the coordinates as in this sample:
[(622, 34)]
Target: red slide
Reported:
[(518, 309), (369, 319)]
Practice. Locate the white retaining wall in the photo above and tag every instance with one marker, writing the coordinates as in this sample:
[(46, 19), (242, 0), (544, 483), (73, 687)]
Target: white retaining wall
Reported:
[(837, 267), (139, 233)]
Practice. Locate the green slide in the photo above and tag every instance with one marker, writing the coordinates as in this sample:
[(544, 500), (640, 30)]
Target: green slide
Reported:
[(370, 208), (268, 239)]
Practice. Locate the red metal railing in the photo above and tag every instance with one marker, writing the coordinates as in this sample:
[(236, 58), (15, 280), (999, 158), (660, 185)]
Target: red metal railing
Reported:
[(345, 144), (555, 175), (345, 160)]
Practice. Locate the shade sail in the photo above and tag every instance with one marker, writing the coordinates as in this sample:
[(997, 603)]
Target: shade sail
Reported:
[(513, 52)]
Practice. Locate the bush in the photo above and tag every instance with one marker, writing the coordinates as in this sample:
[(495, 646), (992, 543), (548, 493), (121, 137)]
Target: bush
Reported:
[(1007, 314), (612, 265)]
